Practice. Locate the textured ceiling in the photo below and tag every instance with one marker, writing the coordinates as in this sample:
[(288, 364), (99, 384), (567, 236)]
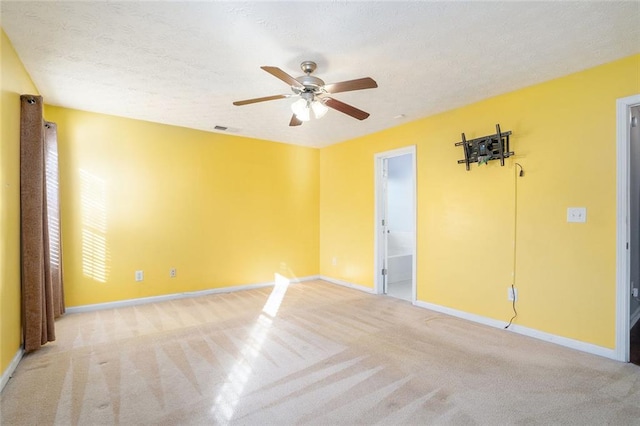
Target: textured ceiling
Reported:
[(184, 63)]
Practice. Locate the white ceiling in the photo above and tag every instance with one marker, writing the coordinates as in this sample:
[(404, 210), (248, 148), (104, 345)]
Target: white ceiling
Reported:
[(184, 63)]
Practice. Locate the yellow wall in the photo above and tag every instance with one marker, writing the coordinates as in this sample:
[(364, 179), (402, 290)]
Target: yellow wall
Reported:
[(15, 81), (564, 136), (223, 210)]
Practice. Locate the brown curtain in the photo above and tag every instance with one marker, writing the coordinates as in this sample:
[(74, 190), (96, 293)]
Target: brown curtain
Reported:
[(42, 290)]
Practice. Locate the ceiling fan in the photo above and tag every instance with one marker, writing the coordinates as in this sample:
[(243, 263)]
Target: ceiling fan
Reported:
[(313, 94)]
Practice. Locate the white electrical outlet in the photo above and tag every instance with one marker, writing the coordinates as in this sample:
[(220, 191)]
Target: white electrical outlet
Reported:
[(512, 293), (139, 275), (334, 261), (172, 272), (576, 214)]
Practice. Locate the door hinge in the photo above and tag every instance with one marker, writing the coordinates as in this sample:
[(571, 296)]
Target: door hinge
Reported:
[(627, 246), (382, 222), (384, 271)]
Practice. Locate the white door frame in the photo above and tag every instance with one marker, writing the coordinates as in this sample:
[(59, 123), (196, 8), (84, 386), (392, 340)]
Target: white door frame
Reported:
[(623, 261), (378, 240)]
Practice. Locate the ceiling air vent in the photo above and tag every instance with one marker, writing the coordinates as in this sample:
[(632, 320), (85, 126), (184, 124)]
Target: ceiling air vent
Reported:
[(226, 129)]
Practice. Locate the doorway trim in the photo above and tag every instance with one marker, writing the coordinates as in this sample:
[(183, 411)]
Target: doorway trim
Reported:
[(378, 242), (623, 295)]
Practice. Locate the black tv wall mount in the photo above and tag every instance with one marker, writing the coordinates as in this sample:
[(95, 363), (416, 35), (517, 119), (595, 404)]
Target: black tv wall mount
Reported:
[(487, 148)]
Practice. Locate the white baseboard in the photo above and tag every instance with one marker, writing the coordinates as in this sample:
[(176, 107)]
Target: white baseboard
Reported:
[(347, 284), (635, 317), (174, 296), (6, 375), (530, 332), (307, 278)]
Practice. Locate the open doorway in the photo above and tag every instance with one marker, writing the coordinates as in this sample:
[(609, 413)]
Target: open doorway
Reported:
[(395, 224), (628, 229)]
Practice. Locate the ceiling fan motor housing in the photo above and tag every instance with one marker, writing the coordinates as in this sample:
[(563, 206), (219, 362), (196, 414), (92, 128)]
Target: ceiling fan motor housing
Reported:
[(311, 84)]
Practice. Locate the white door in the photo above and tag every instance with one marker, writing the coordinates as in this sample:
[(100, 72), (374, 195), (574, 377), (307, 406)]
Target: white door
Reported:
[(395, 223)]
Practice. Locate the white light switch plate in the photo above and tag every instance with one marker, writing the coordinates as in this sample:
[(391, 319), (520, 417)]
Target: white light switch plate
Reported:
[(577, 214)]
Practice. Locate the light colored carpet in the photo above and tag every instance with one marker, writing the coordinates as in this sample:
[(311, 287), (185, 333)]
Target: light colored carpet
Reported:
[(312, 353)]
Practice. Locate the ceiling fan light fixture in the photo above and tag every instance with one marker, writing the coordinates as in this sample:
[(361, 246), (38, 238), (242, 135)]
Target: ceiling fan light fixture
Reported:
[(305, 109), (301, 109), (319, 109)]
